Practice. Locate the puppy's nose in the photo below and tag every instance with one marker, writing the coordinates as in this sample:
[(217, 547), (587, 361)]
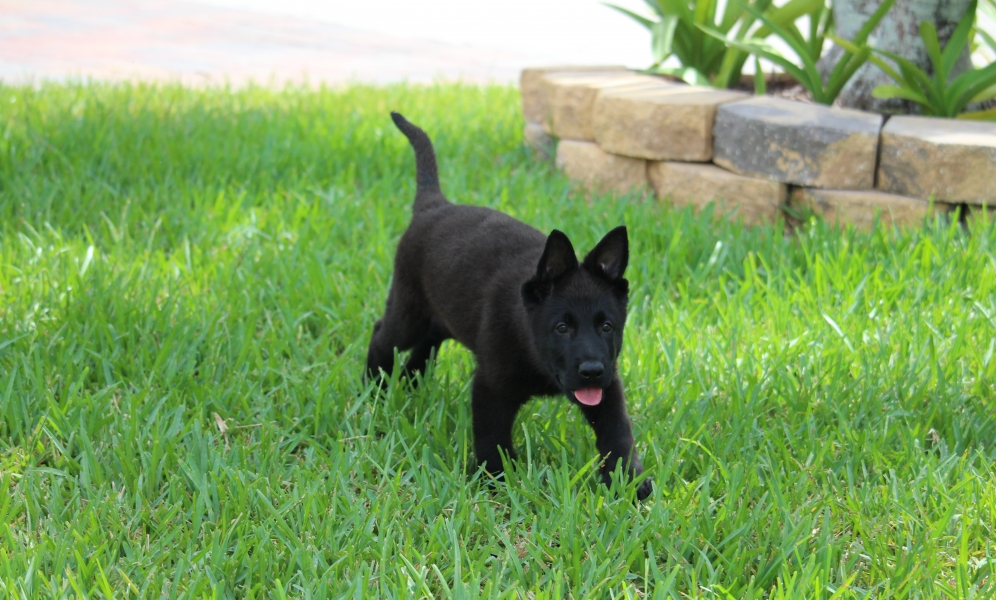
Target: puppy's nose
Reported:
[(591, 370)]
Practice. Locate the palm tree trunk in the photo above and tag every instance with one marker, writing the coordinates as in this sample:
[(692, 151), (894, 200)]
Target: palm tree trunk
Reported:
[(899, 32)]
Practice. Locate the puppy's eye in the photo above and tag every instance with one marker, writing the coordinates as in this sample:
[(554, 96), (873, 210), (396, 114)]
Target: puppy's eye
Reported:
[(606, 327), (561, 327)]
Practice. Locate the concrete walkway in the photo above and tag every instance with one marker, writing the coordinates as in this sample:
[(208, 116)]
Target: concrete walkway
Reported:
[(196, 44)]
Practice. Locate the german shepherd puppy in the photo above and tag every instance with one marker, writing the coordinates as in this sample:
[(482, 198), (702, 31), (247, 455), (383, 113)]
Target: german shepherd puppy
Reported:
[(539, 322)]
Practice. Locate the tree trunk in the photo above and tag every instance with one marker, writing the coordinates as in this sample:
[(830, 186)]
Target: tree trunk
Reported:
[(898, 32)]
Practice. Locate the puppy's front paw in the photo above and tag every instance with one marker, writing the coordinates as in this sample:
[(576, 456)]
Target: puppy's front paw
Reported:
[(643, 491)]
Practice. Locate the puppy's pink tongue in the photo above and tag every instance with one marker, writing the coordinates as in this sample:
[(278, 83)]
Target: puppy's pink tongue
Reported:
[(589, 396)]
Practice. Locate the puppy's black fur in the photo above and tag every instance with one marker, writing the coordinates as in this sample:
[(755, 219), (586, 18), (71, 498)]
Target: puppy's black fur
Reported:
[(539, 322)]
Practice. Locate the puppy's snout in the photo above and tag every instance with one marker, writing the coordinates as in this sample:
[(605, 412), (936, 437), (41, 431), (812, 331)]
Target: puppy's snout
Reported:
[(591, 370)]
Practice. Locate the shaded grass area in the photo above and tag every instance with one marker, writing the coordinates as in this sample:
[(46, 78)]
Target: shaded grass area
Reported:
[(188, 279)]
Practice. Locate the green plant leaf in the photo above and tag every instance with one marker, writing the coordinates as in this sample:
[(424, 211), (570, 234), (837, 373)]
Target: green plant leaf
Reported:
[(799, 47), (854, 57), (657, 7), (793, 10), (765, 50), (734, 13), (749, 20), (677, 33), (987, 94), (688, 46), (693, 76), (787, 14), (689, 75), (959, 37), (798, 38), (775, 27), (760, 85), (734, 58), (843, 71), (662, 38), (912, 75), (977, 79), (819, 22), (937, 95), (862, 35), (979, 115), (881, 64), (929, 35), (705, 12), (672, 71), (678, 7), (970, 85), (732, 65), (885, 92), (856, 53), (988, 39), (636, 17)]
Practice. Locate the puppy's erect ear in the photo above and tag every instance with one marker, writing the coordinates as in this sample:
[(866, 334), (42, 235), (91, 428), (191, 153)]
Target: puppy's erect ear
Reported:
[(558, 260), (610, 256)]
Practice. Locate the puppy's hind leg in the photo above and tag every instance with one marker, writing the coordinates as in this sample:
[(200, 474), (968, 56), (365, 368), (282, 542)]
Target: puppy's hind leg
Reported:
[(424, 348), (403, 325)]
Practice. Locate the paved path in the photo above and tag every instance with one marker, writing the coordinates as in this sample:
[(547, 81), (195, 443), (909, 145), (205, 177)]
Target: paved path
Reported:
[(195, 43)]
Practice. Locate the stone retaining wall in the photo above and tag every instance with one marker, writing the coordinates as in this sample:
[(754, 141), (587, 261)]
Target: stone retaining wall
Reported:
[(753, 157)]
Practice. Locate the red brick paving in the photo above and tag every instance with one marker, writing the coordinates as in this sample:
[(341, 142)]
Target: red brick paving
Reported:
[(194, 43)]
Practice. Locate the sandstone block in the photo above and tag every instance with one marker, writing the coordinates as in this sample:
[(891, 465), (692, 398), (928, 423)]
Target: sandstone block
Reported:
[(539, 140), (672, 122), (570, 99), (953, 160), (755, 201), (794, 142), (598, 170), (860, 207), (531, 88)]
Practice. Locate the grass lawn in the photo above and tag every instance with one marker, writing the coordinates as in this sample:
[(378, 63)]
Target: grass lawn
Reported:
[(188, 280)]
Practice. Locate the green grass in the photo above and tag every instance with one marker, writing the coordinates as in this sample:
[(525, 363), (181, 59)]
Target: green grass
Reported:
[(188, 279)]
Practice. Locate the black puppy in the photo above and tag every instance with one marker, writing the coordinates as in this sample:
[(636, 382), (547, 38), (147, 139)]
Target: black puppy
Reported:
[(538, 322)]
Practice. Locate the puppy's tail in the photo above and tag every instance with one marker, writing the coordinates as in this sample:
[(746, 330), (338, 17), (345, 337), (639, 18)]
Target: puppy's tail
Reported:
[(428, 193)]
